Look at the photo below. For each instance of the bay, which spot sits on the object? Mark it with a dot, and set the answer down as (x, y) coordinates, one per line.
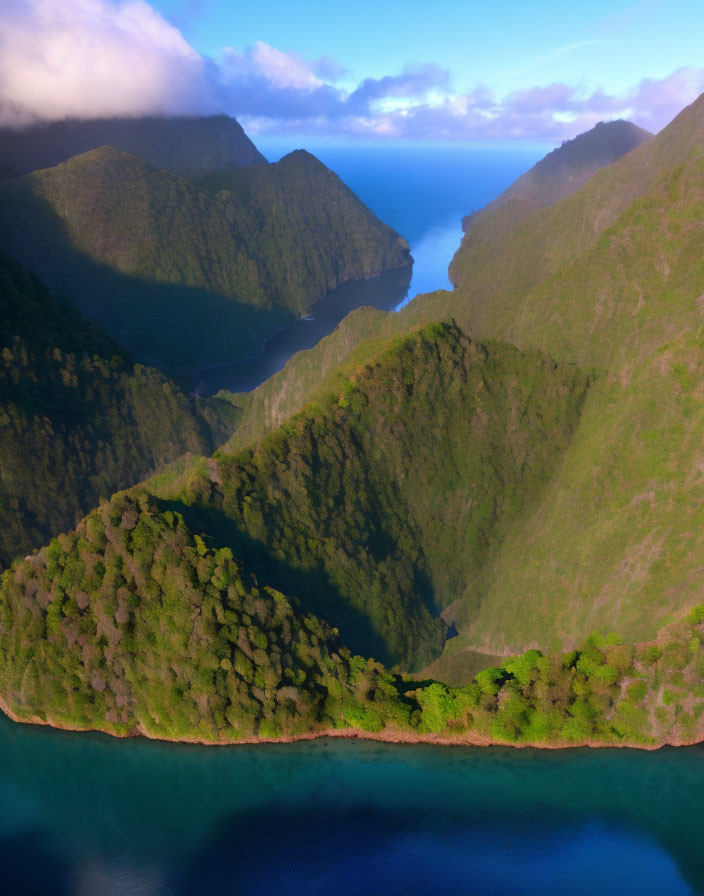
(88, 815)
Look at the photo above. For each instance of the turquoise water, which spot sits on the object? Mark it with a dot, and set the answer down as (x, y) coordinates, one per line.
(85, 815)
(423, 193)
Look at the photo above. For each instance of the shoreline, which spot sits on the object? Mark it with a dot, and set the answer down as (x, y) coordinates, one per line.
(387, 736)
(200, 384)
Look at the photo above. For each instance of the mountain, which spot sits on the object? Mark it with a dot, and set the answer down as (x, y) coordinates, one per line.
(78, 419)
(373, 526)
(617, 541)
(436, 491)
(561, 172)
(154, 259)
(607, 278)
(490, 280)
(187, 146)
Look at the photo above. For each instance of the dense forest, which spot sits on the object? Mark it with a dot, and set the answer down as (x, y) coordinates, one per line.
(155, 259)
(78, 419)
(146, 628)
(383, 497)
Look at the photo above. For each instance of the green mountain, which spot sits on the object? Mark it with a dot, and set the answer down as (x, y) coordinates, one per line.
(77, 418)
(436, 493)
(373, 527)
(559, 174)
(154, 259)
(189, 147)
(609, 277)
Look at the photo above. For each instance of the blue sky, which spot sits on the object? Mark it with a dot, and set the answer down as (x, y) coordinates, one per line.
(609, 43)
(372, 69)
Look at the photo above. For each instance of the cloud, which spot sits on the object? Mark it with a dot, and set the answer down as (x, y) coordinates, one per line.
(91, 58)
(414, 81)
(88, 58)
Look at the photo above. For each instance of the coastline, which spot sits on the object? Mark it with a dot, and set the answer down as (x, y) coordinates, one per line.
(199, 384)
(387, 736)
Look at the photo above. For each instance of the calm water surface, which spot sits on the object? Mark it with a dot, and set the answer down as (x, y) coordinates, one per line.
(423, 193)
(91, 816)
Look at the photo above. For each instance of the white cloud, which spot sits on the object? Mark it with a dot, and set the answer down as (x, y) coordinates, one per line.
(91, 58)
(87, 58)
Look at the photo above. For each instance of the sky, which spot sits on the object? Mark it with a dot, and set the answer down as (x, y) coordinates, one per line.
(441, 70)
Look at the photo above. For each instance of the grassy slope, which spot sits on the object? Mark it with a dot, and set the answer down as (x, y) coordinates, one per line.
(392, 490)
(493, 276)
(618, 539)
(77, 419)
(559, 174)
(154, 259)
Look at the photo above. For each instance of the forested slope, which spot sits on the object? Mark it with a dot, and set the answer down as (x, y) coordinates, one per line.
(78, 419)
(154, 259)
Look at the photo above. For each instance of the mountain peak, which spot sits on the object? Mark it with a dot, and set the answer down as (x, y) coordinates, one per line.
(566, 168)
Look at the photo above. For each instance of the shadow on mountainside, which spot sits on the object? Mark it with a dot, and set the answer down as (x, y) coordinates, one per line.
(311, 587)
(176, 328)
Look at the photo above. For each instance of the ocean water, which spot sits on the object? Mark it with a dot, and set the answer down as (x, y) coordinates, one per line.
(85, 815)
(423, 192)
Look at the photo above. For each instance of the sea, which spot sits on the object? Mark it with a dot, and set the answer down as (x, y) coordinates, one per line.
(88, 815)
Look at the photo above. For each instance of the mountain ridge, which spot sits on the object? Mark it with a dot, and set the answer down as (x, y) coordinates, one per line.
(187, 146)
(153, 258)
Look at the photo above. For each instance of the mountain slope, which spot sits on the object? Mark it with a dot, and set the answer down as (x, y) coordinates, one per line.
(134, 625)
(154, 259)
(618, 539)
(493, 276)
(385, 495)
(189, 147)
(77, 419)
(560, 173)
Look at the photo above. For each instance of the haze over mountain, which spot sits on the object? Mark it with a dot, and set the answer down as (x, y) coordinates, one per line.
(154, 258)
(187, 146)
(562, 171)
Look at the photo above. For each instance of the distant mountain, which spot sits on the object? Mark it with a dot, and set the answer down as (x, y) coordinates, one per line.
(78, 420)
(189, 147)
(156, 259)
(564, 170)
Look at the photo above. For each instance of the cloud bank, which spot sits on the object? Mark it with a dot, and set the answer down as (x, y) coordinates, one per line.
(93, 58)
